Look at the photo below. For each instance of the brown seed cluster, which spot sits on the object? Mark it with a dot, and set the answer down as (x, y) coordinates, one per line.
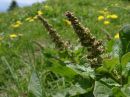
(94, 47)
(60, 44)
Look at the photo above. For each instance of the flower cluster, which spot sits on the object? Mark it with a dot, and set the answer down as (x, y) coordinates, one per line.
(13, 36)
(106, 17)
(60, 44)
(16, 24)
(94, 47)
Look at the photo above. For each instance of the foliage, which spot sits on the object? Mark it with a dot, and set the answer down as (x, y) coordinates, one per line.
(13, 5)
(34, 63)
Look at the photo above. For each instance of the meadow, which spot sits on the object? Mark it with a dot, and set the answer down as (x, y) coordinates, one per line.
(66, 48)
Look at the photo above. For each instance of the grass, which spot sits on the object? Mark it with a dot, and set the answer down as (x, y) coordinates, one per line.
(20, 56)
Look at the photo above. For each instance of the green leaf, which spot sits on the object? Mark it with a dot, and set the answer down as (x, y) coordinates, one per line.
(101, 90)
(110, 82)
(125, 59)
(126, 90)
(101, 70)
(110, 45)
(117, 92)
(126, 73)
(125, 40)
(61, 69)
(70, 91)
(34, 87)
(109, 64)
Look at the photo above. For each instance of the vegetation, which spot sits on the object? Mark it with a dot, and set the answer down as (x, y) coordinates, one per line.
(13, 5)
(84, 54)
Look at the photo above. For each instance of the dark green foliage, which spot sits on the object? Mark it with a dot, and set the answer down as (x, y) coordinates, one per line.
(13, 5)
(125, 39)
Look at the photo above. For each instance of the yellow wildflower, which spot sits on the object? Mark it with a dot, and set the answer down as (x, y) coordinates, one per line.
(31, 20)
(67, 22)
(15, 25)
(39, 12)
(46, 7)
(19, 22)
(114, 16)
(100, 18)
(27, 19)
(35, 17)
(116, 36)
(106, 22)
(108, 16)
(13, 36)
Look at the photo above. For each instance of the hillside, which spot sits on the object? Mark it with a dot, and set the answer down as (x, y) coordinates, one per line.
(21, 32)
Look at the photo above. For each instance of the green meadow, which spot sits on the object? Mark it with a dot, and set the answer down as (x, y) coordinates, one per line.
(66, 60)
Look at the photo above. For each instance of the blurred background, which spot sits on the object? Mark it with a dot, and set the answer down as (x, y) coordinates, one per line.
(5, 4)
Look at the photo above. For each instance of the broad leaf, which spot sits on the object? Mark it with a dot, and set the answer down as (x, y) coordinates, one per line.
(61, 69)
(71, 91)
(101, 90)
(109, 64)
(117, 92)
(125, 59)
(126, 90)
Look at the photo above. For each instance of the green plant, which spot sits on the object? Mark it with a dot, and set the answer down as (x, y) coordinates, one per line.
(35, 65)
(13, 5)
(109, 79)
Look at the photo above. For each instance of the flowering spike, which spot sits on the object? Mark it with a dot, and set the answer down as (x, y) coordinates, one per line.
(94, 47)
(60, 44)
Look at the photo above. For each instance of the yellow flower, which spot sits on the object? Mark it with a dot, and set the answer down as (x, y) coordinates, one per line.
(35, 17)
(27, 19)
(116, 36)
(108, 16)
(15, 25)
(100, 18)
(46, 7)
(19, 22)
(67, 22)
(114, 16)
(13, 36)
(31, 20)
(39, 12)
(106, 22)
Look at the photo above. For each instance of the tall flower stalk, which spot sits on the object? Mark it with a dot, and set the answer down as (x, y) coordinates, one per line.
(60, 44)
(95, 47)
(56, 38)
